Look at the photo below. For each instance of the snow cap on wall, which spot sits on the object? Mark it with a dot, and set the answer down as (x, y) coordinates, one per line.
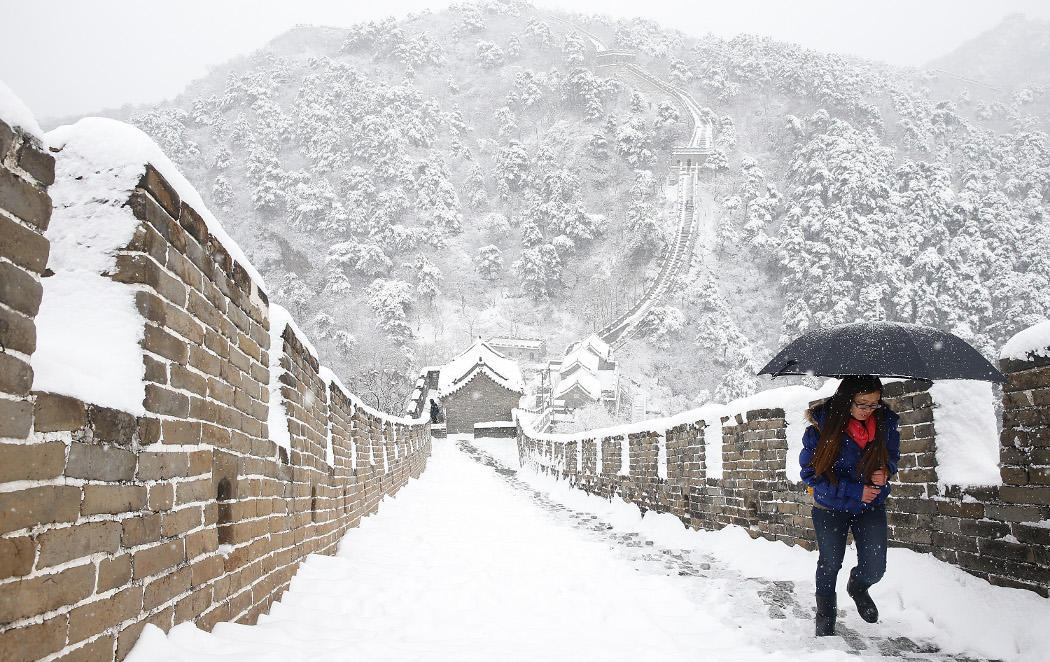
(967, 449)
(1028, 344)
(17, 115)
(121, 152)
(88, 326)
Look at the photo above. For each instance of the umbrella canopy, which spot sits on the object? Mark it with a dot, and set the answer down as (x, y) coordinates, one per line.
(887, 349)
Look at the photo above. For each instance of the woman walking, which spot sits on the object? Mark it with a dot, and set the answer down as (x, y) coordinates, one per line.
(849, 452)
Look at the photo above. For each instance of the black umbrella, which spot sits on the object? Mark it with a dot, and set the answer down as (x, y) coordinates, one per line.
(887, 349)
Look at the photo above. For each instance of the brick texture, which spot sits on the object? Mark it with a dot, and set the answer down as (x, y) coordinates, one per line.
(969, 527)
(111, 520)
(480, 400)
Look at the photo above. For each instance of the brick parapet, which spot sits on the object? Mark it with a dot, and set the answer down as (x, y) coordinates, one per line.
(190, 512)
(26, 171)
(999, 533)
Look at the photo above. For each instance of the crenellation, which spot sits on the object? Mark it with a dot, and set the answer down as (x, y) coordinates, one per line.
(966, 526)
(131, 511)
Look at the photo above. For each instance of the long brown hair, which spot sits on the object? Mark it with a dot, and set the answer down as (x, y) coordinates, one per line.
(829, 447)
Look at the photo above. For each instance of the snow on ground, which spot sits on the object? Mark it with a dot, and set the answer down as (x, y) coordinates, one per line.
(461, 567)
(471, 563)
(920, 597)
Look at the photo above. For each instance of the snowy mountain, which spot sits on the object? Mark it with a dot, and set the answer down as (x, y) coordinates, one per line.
(407, 186)
(1012, 55)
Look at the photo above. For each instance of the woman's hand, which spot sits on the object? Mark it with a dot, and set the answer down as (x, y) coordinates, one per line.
(870, 492)
(879, 477)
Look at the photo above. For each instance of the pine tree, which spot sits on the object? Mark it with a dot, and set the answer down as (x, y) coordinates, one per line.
(489, 262)
(539, 270)
(390, 300)
(427, 278)
(489, 55)
(222, 192)
(477, 195)
(512, 165)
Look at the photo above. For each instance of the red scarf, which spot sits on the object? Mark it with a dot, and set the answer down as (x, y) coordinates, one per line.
(861, 431)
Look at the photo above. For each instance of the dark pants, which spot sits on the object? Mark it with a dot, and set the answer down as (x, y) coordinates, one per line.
(869, 532)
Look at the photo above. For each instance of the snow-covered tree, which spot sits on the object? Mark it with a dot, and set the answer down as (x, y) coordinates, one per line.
(528, 91)
(477, 194)
(643, 236)
(489, 55)
(267, 180)
(293, 294)
(585, 92)
(512, 165)
(513, 47)
(364, 258)
(574, 49)
(662, 324)
(495, 226)
(437, 201)
(634, 144)
(531, 235)
(428, 276)
(507, 123)
(539, 270)
(489, 262)
(390, 300)
(539, 33)
(222, 192)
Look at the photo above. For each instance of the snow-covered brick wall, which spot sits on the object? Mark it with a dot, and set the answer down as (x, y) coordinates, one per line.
(947, 501)
(26, 171)
(178, 477)
(91, 327)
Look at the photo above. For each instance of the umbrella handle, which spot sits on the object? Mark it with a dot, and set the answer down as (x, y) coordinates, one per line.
(787, 365)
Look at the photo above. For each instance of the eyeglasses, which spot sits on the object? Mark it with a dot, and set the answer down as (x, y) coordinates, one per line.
(866, 407)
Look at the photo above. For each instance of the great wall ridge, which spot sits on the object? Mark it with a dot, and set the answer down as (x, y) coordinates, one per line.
(687, 161)
(677, 260)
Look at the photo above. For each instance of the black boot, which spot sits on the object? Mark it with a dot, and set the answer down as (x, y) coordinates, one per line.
(827, 610)
(865, 605)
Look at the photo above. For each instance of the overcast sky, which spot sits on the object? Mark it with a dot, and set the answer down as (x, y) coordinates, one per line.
(73, 57)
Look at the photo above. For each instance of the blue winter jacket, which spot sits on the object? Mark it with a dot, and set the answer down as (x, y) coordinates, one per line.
(847, 495)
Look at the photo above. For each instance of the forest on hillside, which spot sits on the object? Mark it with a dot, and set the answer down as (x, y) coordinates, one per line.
(407, 186)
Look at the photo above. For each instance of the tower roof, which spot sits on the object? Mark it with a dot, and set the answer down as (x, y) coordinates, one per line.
(480, 355)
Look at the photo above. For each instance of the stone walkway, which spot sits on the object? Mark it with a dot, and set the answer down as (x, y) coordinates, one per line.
(472, 563)
(788, 620)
